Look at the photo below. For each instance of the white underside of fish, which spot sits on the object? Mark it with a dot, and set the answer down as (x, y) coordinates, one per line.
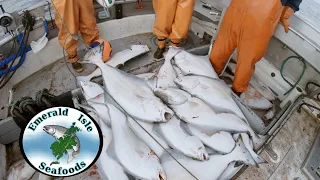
(117, 59)
(131, 93)
(191, 64)
(213, 92)
(178, 139)
(133, 154)
(204, 170)
(107, 166)
(255, 100)
(156, 143)
(221, 142)
(195, 112)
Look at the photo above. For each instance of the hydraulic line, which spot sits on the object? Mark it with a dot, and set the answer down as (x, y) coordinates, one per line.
(27, 32)
(301, 75)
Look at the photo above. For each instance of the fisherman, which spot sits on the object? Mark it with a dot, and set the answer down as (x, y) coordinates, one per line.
(249, 26)
(172, 21)
(78, 15)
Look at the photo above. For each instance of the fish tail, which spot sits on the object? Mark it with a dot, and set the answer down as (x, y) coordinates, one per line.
(258, 140)
(241, 154)
(255, 156)
(94, 55)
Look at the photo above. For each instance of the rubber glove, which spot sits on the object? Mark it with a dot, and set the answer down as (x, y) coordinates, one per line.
(284, 19)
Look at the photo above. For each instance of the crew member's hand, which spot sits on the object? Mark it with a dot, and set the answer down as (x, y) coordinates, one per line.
(284, 19)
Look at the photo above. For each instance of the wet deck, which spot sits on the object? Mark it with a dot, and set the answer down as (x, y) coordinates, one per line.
(292, 143)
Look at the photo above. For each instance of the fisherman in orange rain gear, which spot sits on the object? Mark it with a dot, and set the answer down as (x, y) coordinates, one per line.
(78, 15)
(172, 21)
(249, 26)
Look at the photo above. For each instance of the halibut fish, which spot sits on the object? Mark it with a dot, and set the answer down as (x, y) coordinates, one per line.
(107, 166)
(213, 92)
(133, 154)
(204, 170)
(178, 139)
(130, 92)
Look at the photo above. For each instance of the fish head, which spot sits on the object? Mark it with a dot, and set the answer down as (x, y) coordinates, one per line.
(161, 175)
(156, 106)
(198, 150)
(155, 170)
(91, 90)
(172, 96)
(94, 55)
(51, 130)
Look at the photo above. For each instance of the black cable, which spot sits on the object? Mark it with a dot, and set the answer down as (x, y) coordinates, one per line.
(50, 15)
(2, 84)
(14, 59)
(13, 45)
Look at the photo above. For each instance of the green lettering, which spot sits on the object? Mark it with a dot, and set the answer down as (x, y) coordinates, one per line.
(48, 169)
(44, 116)
(83, 121)
(54, 171)
(55, 113)
(32, 127)
(83, 164)
(89, 129)
(42, 165)
(49, 114)
(88, 124)
(38, 121)
(71, 170)
(79, 119)
(65, 112)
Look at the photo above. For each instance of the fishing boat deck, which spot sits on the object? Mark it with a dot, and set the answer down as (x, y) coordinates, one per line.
(292, 143)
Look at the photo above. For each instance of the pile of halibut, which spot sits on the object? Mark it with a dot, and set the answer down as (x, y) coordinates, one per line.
(179, 123)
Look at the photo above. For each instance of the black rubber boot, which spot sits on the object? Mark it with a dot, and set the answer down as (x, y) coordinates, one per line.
(159, 53)
(77, 67)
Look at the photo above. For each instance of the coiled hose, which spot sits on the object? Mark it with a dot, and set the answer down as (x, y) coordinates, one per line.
(301, 75)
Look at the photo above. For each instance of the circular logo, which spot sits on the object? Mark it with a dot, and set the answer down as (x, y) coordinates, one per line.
(61, 141)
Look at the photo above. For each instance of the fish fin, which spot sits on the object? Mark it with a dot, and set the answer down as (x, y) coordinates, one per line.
(111, 151)
(241, 154)
(246, 141)
(224, 138)
(70, 155)
(258, 140)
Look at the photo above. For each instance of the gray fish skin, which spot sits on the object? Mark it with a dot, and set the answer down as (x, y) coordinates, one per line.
(178, 139)
(130, 92)
(204, 170)
(213, 92)
(59, 131)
